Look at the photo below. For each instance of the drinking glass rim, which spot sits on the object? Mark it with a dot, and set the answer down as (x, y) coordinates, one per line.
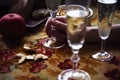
(90, 10)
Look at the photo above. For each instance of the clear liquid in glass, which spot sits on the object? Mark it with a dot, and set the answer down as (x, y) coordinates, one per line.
(106, 10)
(76, 29)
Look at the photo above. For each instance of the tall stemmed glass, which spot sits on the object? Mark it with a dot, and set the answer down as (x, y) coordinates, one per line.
(106, 10)
(77, 13)
(51, 42)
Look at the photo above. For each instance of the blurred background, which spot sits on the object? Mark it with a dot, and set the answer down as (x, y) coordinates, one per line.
(25, 7)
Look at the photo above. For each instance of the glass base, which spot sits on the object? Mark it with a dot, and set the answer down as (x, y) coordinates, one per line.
(52, 43)
(71, 74)
(103, 56)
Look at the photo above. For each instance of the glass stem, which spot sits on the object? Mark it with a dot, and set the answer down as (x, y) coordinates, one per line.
(75, 58)
(53, 15)
(102, 46)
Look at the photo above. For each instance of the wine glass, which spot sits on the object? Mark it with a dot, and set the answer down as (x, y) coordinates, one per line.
(106, 9)
(52, 42)
(77, 12)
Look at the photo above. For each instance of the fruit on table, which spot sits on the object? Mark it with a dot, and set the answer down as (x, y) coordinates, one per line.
(12, 25)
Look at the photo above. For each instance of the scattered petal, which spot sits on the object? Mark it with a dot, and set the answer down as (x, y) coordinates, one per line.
(113, 74)
(40, 56)
(22, 59)
(37, 66)
(115, 60)
(67, 64)
(31, 57)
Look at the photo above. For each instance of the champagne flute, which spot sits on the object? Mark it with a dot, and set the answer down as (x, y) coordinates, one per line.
(52, 42)
(77, 13)
(106, 9)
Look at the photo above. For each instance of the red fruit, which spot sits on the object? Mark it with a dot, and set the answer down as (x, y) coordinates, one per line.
(12, 25)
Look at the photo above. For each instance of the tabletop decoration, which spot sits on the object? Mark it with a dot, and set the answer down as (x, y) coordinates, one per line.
(6, 60)
(31, 56)
(113, 74)
(34, 55)
(12, 25)
(28, 47)
(115, 60)
(37, 66)
(67, 64)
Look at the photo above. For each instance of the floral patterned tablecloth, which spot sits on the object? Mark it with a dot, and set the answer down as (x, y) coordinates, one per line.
(57, 61)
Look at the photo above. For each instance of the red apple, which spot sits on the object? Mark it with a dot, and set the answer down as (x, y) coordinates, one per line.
(12, 25)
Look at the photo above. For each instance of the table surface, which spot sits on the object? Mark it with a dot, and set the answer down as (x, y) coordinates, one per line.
(57, 61)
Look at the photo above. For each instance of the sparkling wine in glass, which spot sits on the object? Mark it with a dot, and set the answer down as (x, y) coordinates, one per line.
(106, 9)
(52, 42)
(77, 13)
